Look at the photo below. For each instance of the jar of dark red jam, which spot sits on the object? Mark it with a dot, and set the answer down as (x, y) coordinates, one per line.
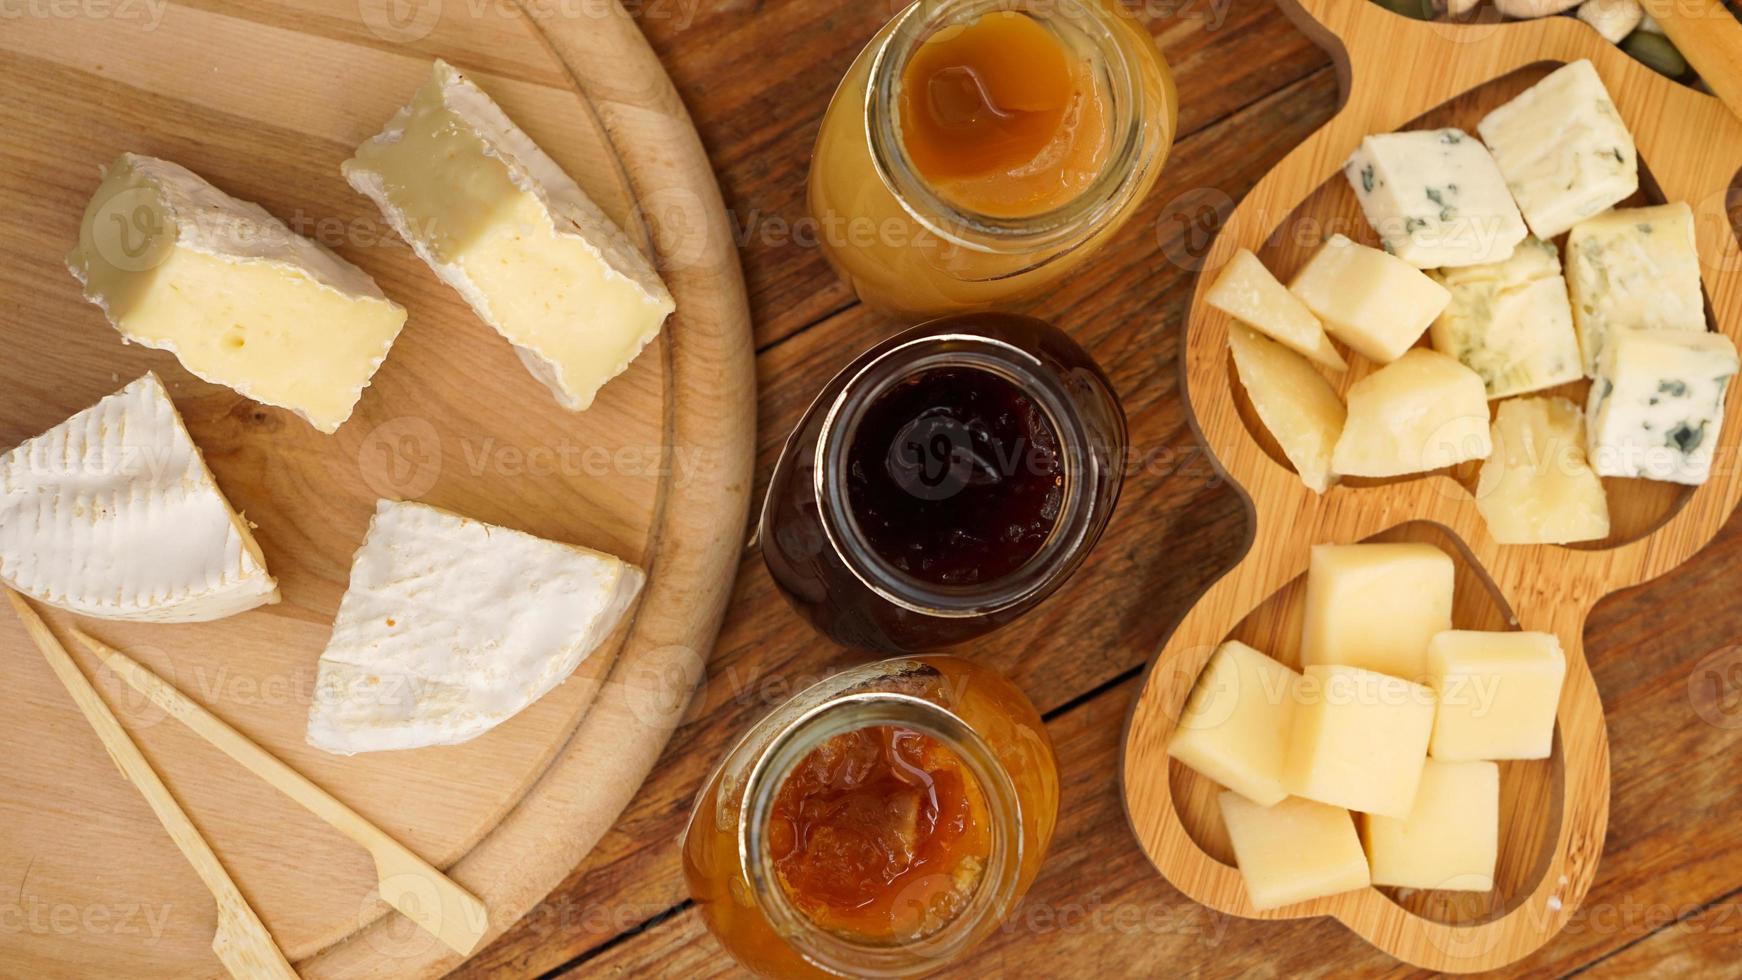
(943, 484)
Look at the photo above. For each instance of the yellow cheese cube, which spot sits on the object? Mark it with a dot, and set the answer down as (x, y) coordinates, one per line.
(1539, 487)
(1248, 292)
(1451, 839)
(1376, 303)
(1294, 851)
(1236, 723)
(1359, 739)
(1376, 606)
(1498, 693)
(1419, 413)
(1295, 402)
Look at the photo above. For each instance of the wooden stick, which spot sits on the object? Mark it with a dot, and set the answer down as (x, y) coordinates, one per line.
(407, 882)
(242, 943)
(1707, 34)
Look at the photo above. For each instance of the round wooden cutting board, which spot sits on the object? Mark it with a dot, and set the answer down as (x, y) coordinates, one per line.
(266, 100)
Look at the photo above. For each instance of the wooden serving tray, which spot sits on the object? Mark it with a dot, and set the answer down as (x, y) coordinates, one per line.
(266, 100)
(1397, 74)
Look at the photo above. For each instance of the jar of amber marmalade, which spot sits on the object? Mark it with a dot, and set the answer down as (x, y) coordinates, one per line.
(978, 150)
(879, 824)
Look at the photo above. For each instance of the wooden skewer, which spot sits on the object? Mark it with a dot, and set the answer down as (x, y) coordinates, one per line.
(407, 882)
(1707, 34)
(242, 943)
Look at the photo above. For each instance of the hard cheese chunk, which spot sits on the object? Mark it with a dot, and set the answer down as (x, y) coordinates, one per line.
(1450, 841)
(1236, 723)
(1376, 303)
(239, 298)
(498, 220)
(451, 627)
(1376, 606)
(1538, 487)
(1435, 197)
(1658, 404)
(1418, 413)
(1498, 694)
(1359, 739)
(1510, 322)
(113, 514)
(1248, 292)
(1295, 402)
(1634, 268)
(1563, 148)
(1294, 851)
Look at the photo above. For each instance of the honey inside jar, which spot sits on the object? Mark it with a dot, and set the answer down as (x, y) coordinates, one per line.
(1001, 117)
(880, 834)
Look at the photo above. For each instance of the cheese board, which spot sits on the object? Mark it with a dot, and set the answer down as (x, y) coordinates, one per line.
(1399, 74)
(266, 102)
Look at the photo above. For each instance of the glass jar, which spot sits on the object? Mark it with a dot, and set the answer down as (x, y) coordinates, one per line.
(908, 251)
(823, 553)
(995, 732)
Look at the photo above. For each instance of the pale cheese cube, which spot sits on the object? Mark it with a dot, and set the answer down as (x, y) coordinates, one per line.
(1248, 292)
(1376, 606)
(1376, 303)
(1359, 739)
(1295, 402)
(1564, 149)
(1236, 723)
(1451, 839)
(1294, 851)
(1657, 405)
(1614, 19)
(1634, 268)
(1510, 322)
(1538, 487)
(1498, 694)
(1418, 413)
(1435, 197)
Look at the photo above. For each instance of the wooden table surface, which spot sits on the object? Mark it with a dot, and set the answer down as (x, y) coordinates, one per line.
(1667, 657)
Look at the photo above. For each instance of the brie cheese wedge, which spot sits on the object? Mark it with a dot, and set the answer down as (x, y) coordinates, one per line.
(452, 626)
(499, 221)
(112, 514)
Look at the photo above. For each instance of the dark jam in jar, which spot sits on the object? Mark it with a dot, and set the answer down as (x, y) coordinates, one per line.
(954, 476)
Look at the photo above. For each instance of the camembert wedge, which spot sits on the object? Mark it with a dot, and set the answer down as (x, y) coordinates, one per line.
(112, 514)
(499, 221)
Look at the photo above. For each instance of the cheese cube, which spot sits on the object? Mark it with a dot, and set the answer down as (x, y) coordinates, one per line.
(231, 291)
(1634, 268)
(1295, 402)
(1563, 148)
(1359, 738)
(1236, 723)
(1376, 303)
(1418, 413)
(1538, 487)
(1294, 851)
(1451, 839)
(1376, 606)
(1510, 322)
(1248, 292)
(1498, 694)
(1658, 404)
(1435, 197)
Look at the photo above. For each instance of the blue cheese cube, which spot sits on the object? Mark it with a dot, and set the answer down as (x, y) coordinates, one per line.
(1564, 150)
(1435, 197)
(1634, 268)
(1658, 404)
(1510, 322)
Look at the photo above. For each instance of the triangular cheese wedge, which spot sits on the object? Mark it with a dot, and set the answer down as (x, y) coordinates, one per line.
(113, 514)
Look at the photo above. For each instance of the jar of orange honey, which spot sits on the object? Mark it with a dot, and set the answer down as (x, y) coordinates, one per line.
(979, 150)
(879, 824)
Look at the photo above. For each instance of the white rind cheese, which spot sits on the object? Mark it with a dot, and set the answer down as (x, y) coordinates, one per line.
(500, 222)
(1295, 402)
(236, 295)
(112, 514)
(1511, 322)
(1435, 197)
(1634, 268)
(1247, 291)
(1564, 149)
(1376, 303)
(1419, 413)
(1657, 405)
(451, 626)
(1539, 487)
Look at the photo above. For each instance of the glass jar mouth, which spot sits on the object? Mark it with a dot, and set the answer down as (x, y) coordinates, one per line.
(1127, 139)
(993, 894)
